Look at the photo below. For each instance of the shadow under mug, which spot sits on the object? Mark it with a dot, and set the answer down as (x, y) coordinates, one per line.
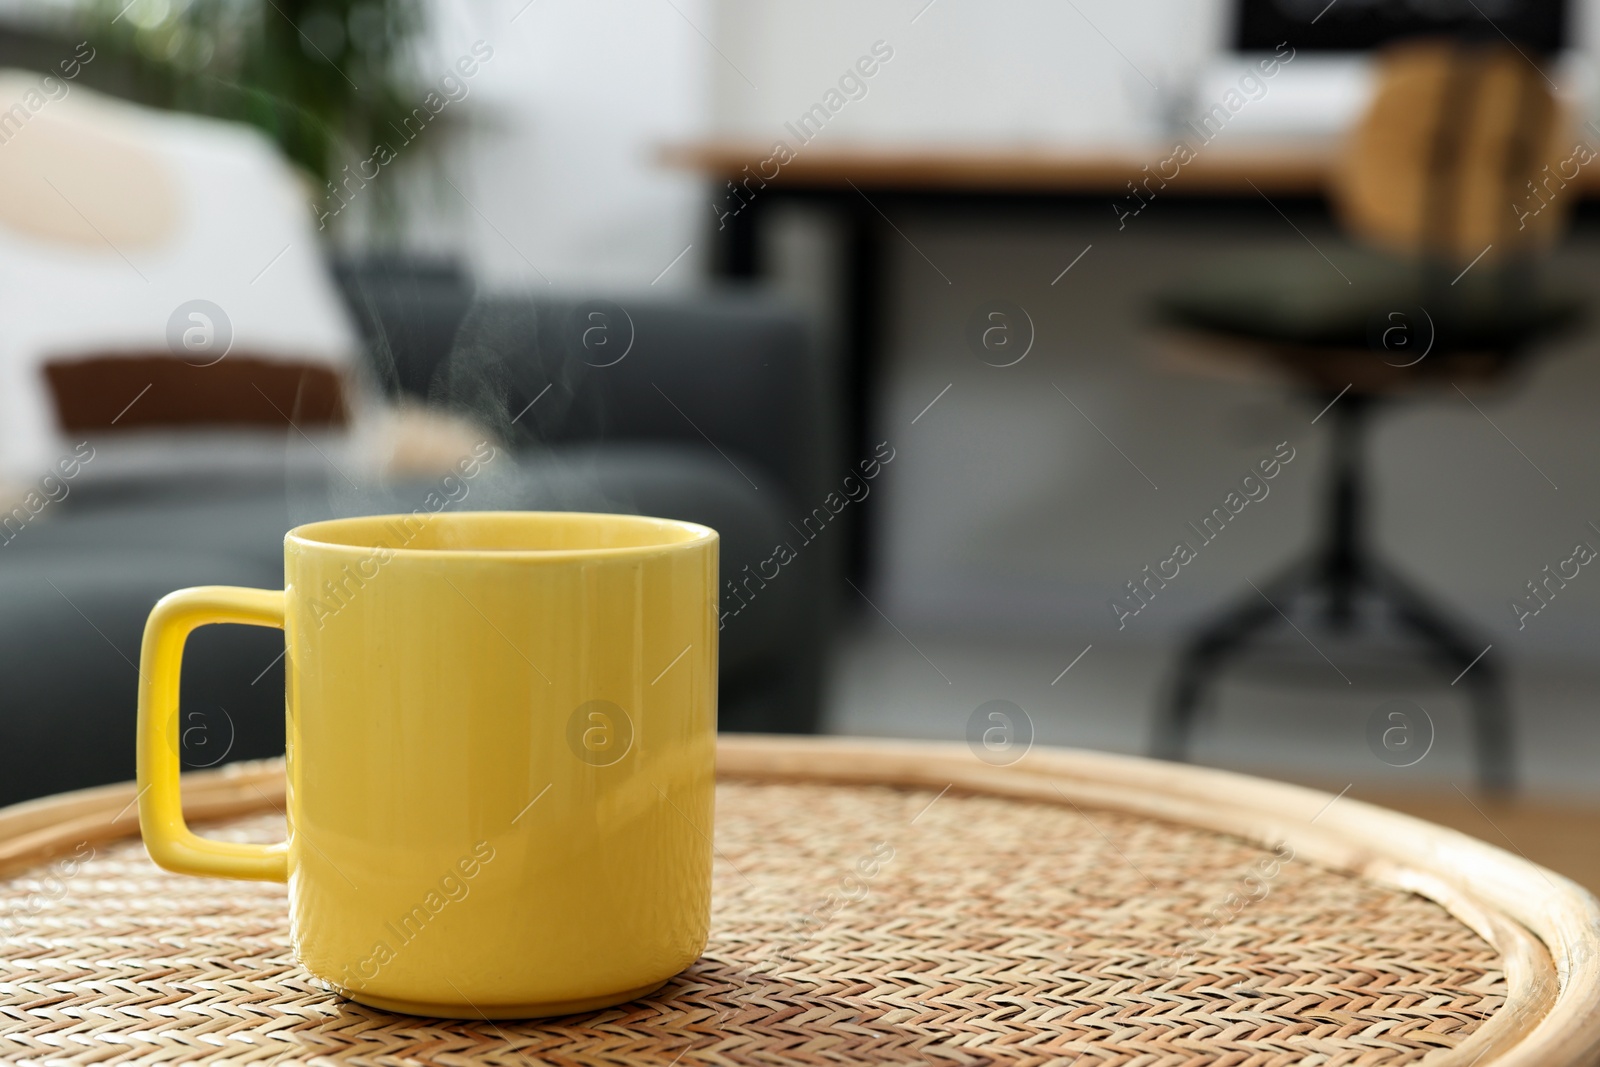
(500, 755)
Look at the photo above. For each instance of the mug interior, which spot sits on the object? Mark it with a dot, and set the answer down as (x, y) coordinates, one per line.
(525, 532)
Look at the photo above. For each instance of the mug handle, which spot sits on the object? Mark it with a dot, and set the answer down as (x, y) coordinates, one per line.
(166, 836)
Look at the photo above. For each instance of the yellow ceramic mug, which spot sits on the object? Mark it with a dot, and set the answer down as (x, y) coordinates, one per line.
(501, 743)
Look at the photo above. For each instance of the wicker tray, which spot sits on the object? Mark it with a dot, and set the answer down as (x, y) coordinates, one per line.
(875, 902)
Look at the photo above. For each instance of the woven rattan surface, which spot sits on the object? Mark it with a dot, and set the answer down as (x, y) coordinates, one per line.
(851, 924)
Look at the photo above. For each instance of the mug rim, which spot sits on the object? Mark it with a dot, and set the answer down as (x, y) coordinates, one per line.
(306, 537)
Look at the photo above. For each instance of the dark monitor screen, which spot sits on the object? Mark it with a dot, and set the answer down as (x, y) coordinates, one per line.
(1355, 25)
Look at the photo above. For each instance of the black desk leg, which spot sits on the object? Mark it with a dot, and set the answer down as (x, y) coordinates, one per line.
(736, 249)
(738, 252)
(862, 310)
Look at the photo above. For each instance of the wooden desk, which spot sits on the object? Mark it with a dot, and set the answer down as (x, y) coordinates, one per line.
(1275, 169)
(1278, 169)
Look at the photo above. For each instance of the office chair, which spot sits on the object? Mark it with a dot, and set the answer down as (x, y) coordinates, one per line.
(1453, 184)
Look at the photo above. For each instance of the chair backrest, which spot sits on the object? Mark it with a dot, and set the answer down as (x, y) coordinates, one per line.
(1464, 148)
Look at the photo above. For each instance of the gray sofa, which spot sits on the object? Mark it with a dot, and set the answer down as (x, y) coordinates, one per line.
(717, 414)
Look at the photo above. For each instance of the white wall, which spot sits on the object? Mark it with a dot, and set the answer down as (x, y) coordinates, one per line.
(559, 154)
(563, 125)
(963, 70)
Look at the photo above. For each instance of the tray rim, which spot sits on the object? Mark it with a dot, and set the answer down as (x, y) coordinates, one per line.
(1545, 927)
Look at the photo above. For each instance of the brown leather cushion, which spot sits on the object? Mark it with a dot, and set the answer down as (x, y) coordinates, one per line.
(98, 392)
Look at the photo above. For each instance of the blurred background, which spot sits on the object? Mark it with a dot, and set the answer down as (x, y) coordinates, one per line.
(1205, 379)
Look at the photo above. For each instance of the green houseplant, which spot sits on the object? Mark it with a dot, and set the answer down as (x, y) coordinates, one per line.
(321, 78)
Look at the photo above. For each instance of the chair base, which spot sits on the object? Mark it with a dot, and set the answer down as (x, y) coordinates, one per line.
(1342, 573)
